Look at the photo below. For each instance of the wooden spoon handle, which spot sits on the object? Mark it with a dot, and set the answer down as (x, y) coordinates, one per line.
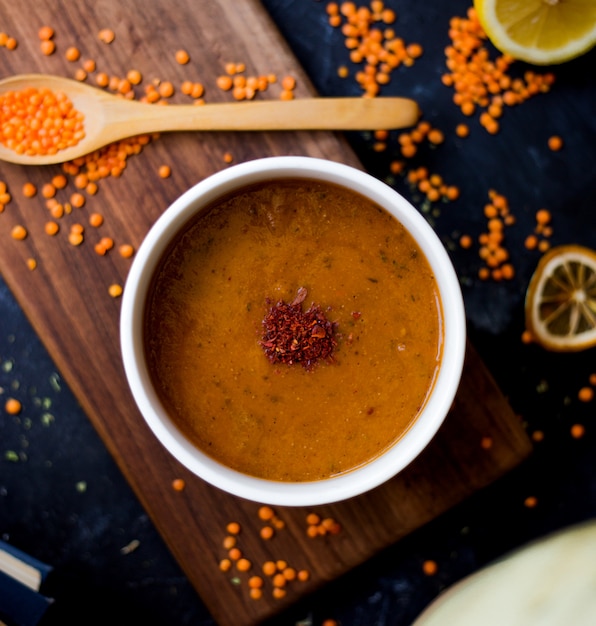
(301, 114)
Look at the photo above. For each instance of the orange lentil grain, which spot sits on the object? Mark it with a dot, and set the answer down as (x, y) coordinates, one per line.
(48, 190)
(555, 143)
(255, 582)
(59, 181)
(538, 436)
(462, 130)
(178, 484)
(313, 518)
(243, 565)
(265, 513)
(235, 554)
(72, 54)
(106, 35)
(126, 250)
(577, 431)
(29, 190)
(107, 243)
(166, 89)
(80, 74)
(31, 264)
(266, 532)
(47, 47)
(288, 83)
(102, 79)
(279, 580)
(592, 379)
(13, 406)
(197, 91)
(329, 622)
(227, 157)
(278, 593)
(77, 200)
(585, 394)
(429, 567)
(51, 228)
(80, 181)
(255, 593)
(233, 528)
(225, 83)
(18, 232)
(134, 77)
(75, 238)
(96, 219)
(269, 568)
(182, 57)
(486, 443)
(530, 502)
(435, 136)
(91, 188)
(289, 573)
(115, 290)
(543, 216)
(312, 531)
(45, 33)
(164, 171)
(225, 565)
(303, 575)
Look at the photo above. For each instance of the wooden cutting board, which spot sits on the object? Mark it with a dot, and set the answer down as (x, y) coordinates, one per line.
(66, 299)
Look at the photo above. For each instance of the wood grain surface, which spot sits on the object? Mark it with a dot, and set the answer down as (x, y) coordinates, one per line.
(66, 298)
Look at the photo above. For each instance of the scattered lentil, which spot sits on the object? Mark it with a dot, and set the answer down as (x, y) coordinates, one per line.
(126, 250)
(72, 54)
(45, 33)
(178, 484)
(115, 290)
(182, 57)
(530, 502)
(18, 232)
(29, 190)
(106, 35)
(585, 394)
(555, 143)
(13, 406)
(429, 567)
(47, 47)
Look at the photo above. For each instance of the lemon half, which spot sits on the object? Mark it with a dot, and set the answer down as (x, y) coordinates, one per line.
(561, 299)
(541, 32)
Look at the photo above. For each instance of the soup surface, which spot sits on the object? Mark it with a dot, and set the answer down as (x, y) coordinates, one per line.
(232, 268)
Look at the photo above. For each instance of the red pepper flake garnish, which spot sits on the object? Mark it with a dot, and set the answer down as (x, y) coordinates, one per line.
(291, 335)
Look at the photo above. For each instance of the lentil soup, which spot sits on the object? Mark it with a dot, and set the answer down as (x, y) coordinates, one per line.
(308, 246)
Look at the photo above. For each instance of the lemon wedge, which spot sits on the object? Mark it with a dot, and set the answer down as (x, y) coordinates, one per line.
(560, 302)
(541, 32)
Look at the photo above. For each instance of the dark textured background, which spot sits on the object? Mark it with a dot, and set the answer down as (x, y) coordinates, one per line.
(63, 500)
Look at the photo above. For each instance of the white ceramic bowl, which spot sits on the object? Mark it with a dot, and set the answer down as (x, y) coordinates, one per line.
(265, 491)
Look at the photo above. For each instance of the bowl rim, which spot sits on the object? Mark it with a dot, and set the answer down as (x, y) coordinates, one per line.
(358, 480)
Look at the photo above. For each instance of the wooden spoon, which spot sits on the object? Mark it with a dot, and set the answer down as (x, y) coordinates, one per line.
(109, 117)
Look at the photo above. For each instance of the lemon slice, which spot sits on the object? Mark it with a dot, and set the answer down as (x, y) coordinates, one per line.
(561, 299)
(542, 32)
